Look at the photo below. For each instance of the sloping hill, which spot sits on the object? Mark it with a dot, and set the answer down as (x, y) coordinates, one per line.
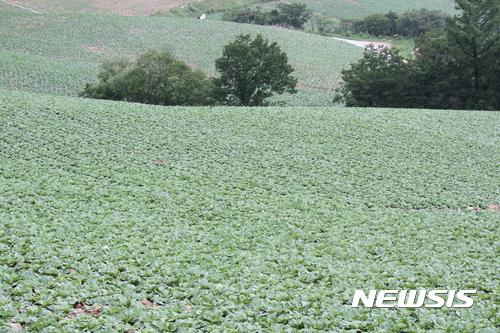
(89, 39)
(122, 7)
(334, 8)
(124, 217)
(361, 8)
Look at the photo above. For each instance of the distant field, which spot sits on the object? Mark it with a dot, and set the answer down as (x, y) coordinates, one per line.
(125, 217)
(34, 73)
(79, 40)
(121, 7)
(7, 7)
(361, 8)
(335, 8)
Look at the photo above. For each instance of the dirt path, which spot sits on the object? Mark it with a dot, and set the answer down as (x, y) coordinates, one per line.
(363, 43)
(13, 4)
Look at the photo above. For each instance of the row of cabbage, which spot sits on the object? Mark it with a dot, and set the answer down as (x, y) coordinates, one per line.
(126, 217)
(45, 75)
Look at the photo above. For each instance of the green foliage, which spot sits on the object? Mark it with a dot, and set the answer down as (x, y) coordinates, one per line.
(375, 24)
(416, 22)
(197, 8)
(379, 79)
(252, 71)
(324, 24)
(359, 9)
(475, 35)
(156, 78)
(438, 78)
(251, 16)
(242, 220)
(456, 69)
(293, 15)
(409, 24)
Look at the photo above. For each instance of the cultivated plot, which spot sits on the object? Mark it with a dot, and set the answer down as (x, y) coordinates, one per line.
(127, 217)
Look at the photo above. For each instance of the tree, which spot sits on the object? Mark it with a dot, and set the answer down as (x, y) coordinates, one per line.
(380, 79)
(293, 14)
(415, 22)
(251, 71)
(326, 25)
(109, 69)
(375, 24)
(248, 15)
(437, 74)
(156, 78)
(475, 33)
(289, 15)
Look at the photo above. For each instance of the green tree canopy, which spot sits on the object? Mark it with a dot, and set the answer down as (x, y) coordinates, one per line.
(475, 35)
(155, 78)
(456, 68)
(376, 24)
(289, 15)
(293, 14)
(417, 21)
(252, 71)
(377, 80)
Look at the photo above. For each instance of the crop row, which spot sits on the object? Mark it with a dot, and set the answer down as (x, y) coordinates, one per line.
(41, 74)
(127, 217)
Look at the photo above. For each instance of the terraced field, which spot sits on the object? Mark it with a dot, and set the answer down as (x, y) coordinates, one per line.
(122, 217)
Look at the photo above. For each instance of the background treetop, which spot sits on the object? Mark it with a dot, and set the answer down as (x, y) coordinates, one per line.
(252, 70)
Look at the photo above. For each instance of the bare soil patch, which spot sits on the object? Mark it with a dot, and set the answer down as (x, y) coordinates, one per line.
(492, 208)
(82, 308)
(147, 302)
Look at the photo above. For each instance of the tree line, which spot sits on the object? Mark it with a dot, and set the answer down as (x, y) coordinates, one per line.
(292, 15)
(295, 15)
(251, 71)
(408, 24)
(454, 68)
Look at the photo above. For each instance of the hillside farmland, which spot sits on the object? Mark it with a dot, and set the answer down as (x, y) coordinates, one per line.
(123, 217)
(132, 218)
(82, 40)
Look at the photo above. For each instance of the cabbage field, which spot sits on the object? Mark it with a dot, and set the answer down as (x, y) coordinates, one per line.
(121, 217)
(77, 43)
(335, 8)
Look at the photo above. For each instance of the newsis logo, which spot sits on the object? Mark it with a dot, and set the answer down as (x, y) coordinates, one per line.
(409, 298)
